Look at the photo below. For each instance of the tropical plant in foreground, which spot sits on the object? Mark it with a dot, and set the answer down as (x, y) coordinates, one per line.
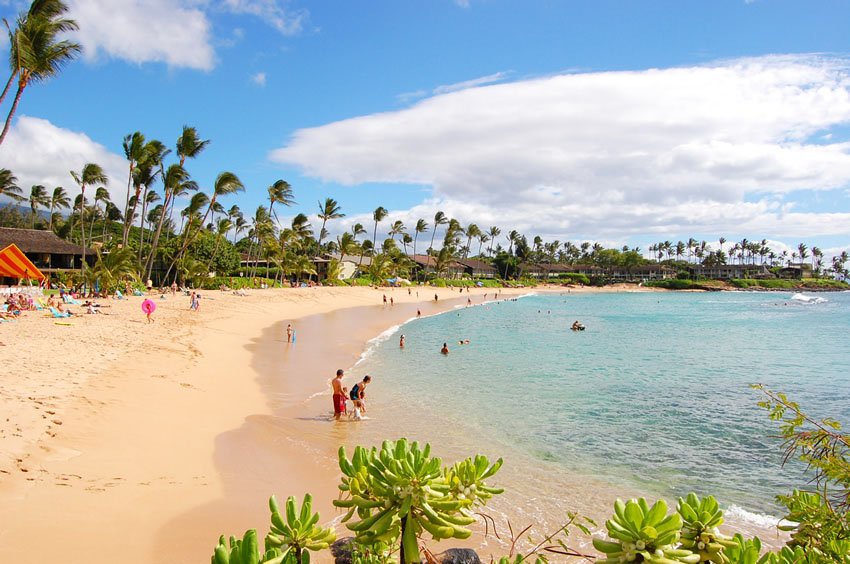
(641, 533)
(297, 533)
(700, 519)
(401, 492)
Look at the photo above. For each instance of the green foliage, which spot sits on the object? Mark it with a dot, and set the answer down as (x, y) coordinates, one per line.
(638, 530)
(700, 519)
(822, 516)
(673, 284)
(288, 542)
(575, 278)
(785, 284)
(298, 533)
(216, 251)
(401, 492)
(113, 268)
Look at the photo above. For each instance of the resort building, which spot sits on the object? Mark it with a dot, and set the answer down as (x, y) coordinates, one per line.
(46, 250)
(351, 265)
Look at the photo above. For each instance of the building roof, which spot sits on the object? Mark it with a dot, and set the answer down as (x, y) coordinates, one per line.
(476, 264)
(37, 241)
(367, 260)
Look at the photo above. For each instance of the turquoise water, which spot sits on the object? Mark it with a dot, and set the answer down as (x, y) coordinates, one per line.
(653, 397)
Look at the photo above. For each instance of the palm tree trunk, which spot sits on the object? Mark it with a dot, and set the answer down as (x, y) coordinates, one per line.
(8, 85)
(91, 225)
(82, 225)
(142, 224)
(21, 85)
(125, 235)
(50, 225)
(155, 242)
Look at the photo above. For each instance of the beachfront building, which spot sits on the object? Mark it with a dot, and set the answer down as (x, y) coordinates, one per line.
(426, 264)
(477, 268)
(729, 271)
(351, 266)
(46, 250)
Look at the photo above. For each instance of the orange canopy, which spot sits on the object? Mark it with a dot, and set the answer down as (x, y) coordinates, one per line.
(15, 264)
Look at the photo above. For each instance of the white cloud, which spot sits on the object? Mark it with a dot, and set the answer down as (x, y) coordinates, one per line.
(708, 148)
(446, 88)
(139, 31)
(259, 79)
(288, 22)
(39, 152)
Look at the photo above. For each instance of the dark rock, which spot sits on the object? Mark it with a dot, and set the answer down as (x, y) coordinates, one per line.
(459, 556)
(341, 550)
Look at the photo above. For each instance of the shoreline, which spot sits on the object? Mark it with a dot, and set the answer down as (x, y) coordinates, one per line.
(189, 424)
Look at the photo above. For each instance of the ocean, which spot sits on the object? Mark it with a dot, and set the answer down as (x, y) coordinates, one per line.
(652, 399)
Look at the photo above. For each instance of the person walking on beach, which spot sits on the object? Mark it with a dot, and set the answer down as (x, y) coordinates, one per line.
(385, 299)
(339, 395)
(358, 395)
(418, 313)
(289, 333)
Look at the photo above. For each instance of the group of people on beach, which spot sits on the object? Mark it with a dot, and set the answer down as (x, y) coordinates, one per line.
(342, 394)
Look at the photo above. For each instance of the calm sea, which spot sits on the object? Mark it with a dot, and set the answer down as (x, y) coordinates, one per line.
(652, 399)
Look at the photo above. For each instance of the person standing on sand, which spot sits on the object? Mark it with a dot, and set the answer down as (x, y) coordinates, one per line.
(418, 313)
(339, 395)
(436, 297)
(289, 333)
(385, 299)
(174, 288)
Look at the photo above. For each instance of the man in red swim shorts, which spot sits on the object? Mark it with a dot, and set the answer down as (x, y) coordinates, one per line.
(339, 396)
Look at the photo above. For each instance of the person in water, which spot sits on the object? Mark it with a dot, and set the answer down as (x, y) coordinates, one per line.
(577, 326)
(401, 342)
(358, 395)
(339, 394)
(445, 349)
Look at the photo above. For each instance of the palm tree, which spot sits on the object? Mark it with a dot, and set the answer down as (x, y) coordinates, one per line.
(189, 145)
(174, 179)
(329, 210)
(802, 252)
(439, 219)
(493, 233)
(421, 227)
(378, 215)
(222, 227)
(406, 239)
(134, 150)
(111, 268)
(38, 198)
(147, 168)
(91, 174)
(397, 228)
(9, 186)
(35, 54)
(483, 238)
(100, 195)
(59, 200)
(472, 230)
(281, 193)
(346, 243)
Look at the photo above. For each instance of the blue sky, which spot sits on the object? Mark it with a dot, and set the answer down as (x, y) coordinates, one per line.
(622, 122)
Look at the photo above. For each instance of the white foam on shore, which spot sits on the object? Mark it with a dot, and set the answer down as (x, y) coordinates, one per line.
(798, 297)
(761, 520)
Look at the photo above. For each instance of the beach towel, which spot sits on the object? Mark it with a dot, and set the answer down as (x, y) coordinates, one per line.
(59, 314)
(119, 295)
(137, 293)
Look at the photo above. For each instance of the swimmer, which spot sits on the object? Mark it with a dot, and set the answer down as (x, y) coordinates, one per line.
(401, 342)
(445, 349)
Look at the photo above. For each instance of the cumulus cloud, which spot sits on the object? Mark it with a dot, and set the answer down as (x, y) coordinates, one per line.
(39, 152)
(259, 79)
(139, 31)
(708, 148)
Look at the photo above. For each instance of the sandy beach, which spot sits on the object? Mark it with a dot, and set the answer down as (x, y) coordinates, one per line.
(150, 440)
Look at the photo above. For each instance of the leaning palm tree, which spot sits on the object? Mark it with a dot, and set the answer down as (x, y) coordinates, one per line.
(147, 169)
(421, 227)
(378, 215)
(91, 174)
(100, 195)
(134, 150)
(472, 231)
(174, 179)
(9, 185)
(279, 193)
(189, 145)
(802, 250)
(329, 210)
(38, 198)
(36, 54)
(439, 219)
(495, 232)
(59, 200)
(397, 228)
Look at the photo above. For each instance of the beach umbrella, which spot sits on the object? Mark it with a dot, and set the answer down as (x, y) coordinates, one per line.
(148, 306)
